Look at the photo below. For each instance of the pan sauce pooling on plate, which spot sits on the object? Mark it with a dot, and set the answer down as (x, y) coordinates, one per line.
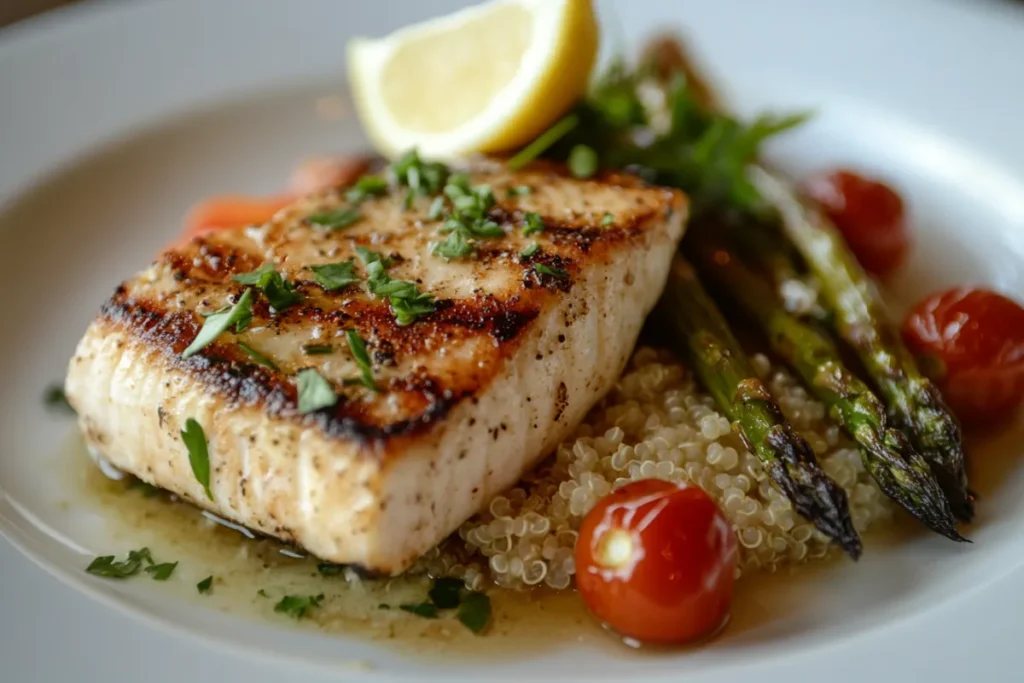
(317, 355)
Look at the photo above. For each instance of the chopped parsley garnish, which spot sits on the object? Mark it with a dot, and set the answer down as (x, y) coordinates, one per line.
(533, 224)
(519, 191)
(545, 269)
(474, 608)
(218, 323)
(607, 219)
(330, 569)
(423, 178)
(407, 302)
(421, 609)
(367, 186)
(583, 161)
(56, 400)
(475, 611)
(206, 585)
(530, 250)
(161, 572)
(314, 391)
(108, 567)
(358, 347)
(279, 292)
(198, 453)
(543, 142)
(436, 208)
(335, 276)
(317, 349)
(335, 220)
(298, 606)
(257, 357)
(368, 256)
(446, 592)
(408, 310)
(453, 247)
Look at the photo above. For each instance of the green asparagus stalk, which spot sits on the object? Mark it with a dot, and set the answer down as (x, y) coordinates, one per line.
(861, 320)
(697, 326)
(888, 456)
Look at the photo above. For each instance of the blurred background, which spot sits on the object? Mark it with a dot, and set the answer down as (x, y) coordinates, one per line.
(12, 10)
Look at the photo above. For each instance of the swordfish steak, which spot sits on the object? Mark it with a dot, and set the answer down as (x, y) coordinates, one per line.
(509, 344)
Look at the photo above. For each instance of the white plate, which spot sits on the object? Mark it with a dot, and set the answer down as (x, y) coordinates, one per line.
(114, 118)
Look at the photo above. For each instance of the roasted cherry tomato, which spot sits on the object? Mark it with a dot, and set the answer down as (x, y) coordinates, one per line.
(870, 216)
(322, 173)
(232, 211)
(974, 340)
(656, 562)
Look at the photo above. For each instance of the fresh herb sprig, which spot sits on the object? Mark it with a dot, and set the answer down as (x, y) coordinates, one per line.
(298, 606)
(194, 439)
(473, 607)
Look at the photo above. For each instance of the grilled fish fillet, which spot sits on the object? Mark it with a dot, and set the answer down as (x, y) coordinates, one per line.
(472, 395)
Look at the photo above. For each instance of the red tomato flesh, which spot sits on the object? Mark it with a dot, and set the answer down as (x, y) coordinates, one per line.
(656, 562)
(870, 216)
(977, 338)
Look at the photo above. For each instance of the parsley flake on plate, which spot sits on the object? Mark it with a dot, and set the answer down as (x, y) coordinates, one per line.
(297, 606)
(108, 567)
(206, 585)
(56, 400)
(162, 571)
(421, 609)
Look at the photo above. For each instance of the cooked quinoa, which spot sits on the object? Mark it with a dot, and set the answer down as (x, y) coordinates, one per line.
(658, 423)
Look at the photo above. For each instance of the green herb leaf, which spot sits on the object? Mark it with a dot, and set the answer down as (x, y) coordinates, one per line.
(545, 269)
(436, 209)
(257, 357)
(317, 349)
(298, 606)
(546, 139)
(453, 247)
(519, 191)
(422, 609)
(330, 569)
(108, 567)
(406, 311)
(368, 256)
(161, 572)
(198, 453)
(446, 592)
(56, 400)
(533, 224)
(335, 220)
(256, 278)
(421, 177)
(607, 219)
(530, 250)
(367, 186)
(262, 593)
(335, 276)
(218, 323)
(358, 348)
(583, 161)
(475, 611)
(206, 585)
(315, 392)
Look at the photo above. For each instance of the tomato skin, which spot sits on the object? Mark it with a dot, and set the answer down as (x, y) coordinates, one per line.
(977, 338)
(231, 211)
(656, 562)
(323, 173)
(869, 214)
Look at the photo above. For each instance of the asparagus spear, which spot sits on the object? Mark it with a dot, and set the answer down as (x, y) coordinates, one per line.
(860, 319)
(696, 325)
(900, 472)
(915, 404)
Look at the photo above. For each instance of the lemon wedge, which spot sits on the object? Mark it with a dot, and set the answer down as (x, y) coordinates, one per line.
(485, 79)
